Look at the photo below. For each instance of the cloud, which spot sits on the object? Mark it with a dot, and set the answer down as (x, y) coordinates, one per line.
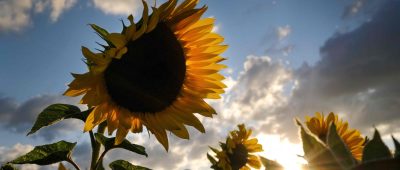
(118, 7)
(17, 15)
(58, 7)
(8, 154)
(14, 15)
(19, 117)
(357, 76)
(283, 32)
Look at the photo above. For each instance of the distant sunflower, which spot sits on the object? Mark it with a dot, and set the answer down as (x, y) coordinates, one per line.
(236, 152)
(318, 125)
(156, 72)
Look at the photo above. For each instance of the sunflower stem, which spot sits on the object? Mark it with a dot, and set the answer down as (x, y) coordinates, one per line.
(96, 145)
(100, 161)
(69, 159)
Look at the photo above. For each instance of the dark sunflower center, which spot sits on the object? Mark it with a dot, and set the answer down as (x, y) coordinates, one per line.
(238, 157)
(149, 77)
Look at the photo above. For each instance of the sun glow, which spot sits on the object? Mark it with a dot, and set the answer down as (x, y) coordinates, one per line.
(282, 150)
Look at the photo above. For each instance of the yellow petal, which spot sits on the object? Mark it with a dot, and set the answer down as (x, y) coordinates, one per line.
(153, 20)
(121, 134)
(118, 40)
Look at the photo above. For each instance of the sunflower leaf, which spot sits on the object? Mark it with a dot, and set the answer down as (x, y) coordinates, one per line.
(379, 164)
(397, 148)
(109, 143)
(270, 164)
(61, 166)
(47, 154)
(55, 113)
(211, 159)
(101, 31)
(315, 152)
(339, 149)
(8, 167)
(375, 149)
(125, 165)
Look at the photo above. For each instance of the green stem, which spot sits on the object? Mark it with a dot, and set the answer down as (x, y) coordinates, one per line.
(96, 145)
(100, 161)
(73, 163)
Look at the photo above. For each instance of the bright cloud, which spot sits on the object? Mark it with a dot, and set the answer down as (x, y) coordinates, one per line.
(283, 31)
(118, 7)
(16, 15)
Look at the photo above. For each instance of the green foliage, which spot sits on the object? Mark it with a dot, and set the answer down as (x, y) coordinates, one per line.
(270, 164)
(318, 155)
(125, 165)
(375, 149)
(8, 167)
(55, 113)
(47, 154)
(339, 149)
(108, 144)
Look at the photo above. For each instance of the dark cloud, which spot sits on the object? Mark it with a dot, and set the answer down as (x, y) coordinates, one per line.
(19, 117)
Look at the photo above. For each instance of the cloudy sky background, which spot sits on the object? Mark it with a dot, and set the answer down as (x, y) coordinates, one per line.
(286, 59)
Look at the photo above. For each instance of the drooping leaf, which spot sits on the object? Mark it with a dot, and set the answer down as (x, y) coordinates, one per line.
(125, 165)
(397, 148)
(8, 167)
(55, 113)
(270, 164)
(47, 154)
(317, 153)
(109, 143)
(375, 149)
(61, 166)
(384, 164)
(339, 149)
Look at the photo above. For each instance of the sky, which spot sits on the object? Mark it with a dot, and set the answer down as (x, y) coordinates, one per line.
(286, 59)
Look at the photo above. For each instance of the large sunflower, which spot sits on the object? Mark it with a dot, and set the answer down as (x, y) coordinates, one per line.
(156, 72)
(236, 152)
(319, 125)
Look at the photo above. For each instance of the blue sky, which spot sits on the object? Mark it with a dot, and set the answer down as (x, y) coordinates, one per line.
(283, 57)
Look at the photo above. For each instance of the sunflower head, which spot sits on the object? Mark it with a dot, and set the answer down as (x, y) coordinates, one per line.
(237, 151)
(319, 125)
(155, 72)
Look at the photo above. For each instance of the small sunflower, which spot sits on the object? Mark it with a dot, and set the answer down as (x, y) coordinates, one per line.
(319, 125)
(155, 73)
(236, 152)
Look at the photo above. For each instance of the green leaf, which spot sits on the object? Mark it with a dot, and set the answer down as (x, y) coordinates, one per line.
(339, 149)
(375, 149)
(397, 148)
(108, 144)
(125, 165)
(47, 154)
(57, 112)
(8, 167)
(270, 164)
(315, 152)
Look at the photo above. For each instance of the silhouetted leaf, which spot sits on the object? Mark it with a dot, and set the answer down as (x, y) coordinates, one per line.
(108, 144)
(397, 148)
(55, 113)
(385, 164)
(47, 154)
(270, 164)
(339, 149)
(125, 165)
(8, 167)
(211, 159)
(317, 153)
(375, 149)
